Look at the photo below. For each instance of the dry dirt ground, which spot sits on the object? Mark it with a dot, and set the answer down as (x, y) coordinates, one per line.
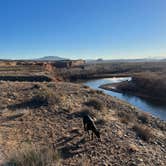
(49, 114)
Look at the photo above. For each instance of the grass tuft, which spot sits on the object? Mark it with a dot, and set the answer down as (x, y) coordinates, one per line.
(126, 117)
(143, 132)
(95, 103)
(32, 156)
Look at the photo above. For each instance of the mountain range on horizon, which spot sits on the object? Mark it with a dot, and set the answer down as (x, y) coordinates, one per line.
(51, 58)
(99, 60)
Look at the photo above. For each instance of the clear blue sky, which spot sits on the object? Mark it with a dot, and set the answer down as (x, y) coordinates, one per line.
(82, 28)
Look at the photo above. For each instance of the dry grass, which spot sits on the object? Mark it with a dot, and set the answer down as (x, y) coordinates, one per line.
(30, 155)
(48, 95)
(126, 117)
(143, 117)
(143, 132)
(41, 96)
(95, 103)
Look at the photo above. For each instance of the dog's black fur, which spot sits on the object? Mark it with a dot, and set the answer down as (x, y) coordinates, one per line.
(89, 125)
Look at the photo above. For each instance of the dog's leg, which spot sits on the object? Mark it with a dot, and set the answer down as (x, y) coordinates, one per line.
(92, 135)
(88, 133)
(84, 127)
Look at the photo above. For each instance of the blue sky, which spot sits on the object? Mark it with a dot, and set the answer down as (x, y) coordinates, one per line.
(109, 29)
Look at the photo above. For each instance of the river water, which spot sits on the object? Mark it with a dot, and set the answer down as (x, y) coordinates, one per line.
(155, 108)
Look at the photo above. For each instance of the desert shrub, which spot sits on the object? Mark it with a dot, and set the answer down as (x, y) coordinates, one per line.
(99, 92)
(33, 156)
(126, 117)
(48, 96)
(143, 117)
(42, 97)
(91, 91)
(85, 86)
(51, 85)
(38, 100)
(143, 132)
(35, 102)
(95, 103)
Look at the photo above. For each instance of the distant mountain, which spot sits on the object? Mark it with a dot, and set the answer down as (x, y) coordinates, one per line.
(51, 58)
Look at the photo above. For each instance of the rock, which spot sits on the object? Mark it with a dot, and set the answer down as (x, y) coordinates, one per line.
(132, 148)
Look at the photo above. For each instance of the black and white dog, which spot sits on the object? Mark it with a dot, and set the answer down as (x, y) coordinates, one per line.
(89, 125)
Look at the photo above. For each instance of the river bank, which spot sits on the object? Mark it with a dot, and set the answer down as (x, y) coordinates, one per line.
(141, 87)
(116, 87)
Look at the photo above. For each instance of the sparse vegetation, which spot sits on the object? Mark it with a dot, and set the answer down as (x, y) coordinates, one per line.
(56, 120)
(95, 103)
(33, 156)
(47, 95)
(143, 132)
(147, 85)
(143, 117)
(102, 70)
(126, 117)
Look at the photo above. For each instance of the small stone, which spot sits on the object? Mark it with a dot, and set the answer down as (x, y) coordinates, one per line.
(140, 160)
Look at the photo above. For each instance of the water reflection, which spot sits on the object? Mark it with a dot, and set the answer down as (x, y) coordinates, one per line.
(154, 107)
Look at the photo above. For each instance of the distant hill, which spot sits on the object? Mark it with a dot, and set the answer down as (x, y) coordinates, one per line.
(125, 60)
(50, 58)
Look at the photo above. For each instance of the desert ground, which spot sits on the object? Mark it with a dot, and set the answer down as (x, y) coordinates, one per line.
(41, 113)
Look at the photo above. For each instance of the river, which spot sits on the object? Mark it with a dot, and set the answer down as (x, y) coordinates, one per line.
(155, 108)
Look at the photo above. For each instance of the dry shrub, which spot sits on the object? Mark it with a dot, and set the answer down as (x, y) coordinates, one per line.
(48, 96)
(41, 97)
(99, 92)
(38, 100)
(51, 85)
(32, 156)
(144, 117)
(126, 117)
(143, 132)
(95, 103)
(85, 86)
(91, 91)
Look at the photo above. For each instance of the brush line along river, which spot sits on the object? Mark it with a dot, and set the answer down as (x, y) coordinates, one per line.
(155, 108)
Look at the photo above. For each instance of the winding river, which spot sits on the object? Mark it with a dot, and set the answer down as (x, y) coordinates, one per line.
(156, 109)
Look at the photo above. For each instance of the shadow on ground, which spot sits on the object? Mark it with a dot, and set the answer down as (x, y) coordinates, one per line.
(35, 102)
(71, 150)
